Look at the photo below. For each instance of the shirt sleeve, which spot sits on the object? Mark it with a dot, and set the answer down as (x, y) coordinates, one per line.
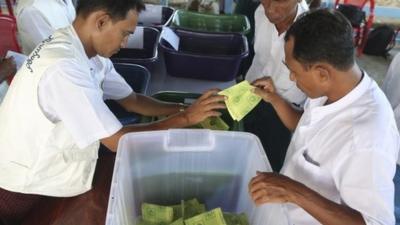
(114, 85)
(365, 182)
(68, 94)
(391, 82)
(33, 28)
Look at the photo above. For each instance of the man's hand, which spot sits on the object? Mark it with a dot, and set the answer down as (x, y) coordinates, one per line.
(7, 68)
(204, 107)
(265, 88)
(272, 188)
(277, 188)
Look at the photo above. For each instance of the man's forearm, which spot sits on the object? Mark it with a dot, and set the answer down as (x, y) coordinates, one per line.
(289, 116)
(324, 210)
(148, 106)
(175, 121)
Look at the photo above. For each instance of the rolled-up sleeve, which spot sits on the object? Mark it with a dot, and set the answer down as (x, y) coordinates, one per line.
(69, 95)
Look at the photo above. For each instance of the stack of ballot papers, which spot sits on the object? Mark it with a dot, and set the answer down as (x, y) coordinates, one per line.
(189, 212)
(214, 123)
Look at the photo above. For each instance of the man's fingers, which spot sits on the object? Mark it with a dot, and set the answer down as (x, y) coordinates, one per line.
(209, 93)
(260, 92)
(260, 83)
(214, 106)
(212, 114)
(212, 99)
(260, 197)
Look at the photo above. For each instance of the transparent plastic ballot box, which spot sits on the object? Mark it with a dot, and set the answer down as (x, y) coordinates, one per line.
(165, 167)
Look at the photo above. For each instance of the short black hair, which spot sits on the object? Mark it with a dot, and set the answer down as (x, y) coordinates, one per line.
(117, 9)
(323, 35)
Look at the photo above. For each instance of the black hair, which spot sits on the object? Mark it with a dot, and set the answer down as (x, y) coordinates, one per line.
(117, 9)
(323, 35)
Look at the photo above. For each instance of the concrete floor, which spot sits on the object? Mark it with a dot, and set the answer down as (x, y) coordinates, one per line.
(377, 66)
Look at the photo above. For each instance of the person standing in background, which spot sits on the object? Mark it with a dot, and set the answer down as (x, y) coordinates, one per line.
(272, 19)
(37, 19)
(247, 8)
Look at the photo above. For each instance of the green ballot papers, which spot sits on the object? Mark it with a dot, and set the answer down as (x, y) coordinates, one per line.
(157, 213)
(213, 217)
(189, 212)
(241, 100)
(214, 123)
(236, 219)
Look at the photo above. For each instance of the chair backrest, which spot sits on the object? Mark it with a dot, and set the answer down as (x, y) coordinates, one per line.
(8, 37)
(359, 3)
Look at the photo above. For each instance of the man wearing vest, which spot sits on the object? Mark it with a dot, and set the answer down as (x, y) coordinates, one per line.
(53, 117)
(341, 161)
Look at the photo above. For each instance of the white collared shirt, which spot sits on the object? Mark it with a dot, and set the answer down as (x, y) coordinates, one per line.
(85, 114)
(53, 118)
(347, 152)
(269, 56)
(391, 86)
(37, 19)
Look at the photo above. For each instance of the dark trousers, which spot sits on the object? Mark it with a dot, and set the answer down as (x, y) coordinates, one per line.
(15, 206)
(274, 136)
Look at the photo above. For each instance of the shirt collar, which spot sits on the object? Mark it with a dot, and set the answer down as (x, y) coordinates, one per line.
(77, 43)
(318, 110)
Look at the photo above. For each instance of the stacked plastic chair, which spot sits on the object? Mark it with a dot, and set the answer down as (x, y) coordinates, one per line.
(9, 4)
(361, 30)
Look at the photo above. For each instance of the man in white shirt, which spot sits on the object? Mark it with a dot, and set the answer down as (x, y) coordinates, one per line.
(391, 89)
(341, 161)
(391, 86)
(272, 19)
(37, 19)
(54, 118)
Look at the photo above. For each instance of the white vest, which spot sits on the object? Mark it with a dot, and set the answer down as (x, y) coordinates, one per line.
(38, 156)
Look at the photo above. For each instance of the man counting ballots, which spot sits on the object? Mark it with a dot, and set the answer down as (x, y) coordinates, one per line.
(53, 117)
(341, 161)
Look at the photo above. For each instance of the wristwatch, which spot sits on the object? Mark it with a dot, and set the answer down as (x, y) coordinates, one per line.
(182, 107)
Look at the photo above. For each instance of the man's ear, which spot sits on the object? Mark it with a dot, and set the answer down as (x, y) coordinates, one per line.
(102, 20)
(323, 73)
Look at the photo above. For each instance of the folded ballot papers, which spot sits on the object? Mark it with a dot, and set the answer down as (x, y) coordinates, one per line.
(214, 123)
(189, 212)
(241, 100)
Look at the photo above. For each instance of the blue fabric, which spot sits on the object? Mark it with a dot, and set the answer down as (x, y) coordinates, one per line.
(396, 181)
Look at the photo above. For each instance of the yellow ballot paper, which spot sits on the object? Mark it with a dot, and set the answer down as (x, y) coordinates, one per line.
(241, 100)
(213, 217)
